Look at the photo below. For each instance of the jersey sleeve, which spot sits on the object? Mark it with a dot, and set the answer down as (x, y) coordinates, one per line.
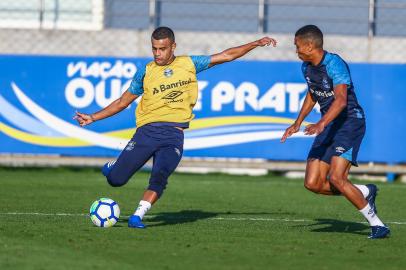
(304, 67)
(137, 84)
(338, 71)
(201, 62)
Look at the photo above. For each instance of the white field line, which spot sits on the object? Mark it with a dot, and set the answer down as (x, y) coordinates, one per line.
(181, 218)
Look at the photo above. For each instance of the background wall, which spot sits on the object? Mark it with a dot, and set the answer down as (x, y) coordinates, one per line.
(53, 52)
(361, 31)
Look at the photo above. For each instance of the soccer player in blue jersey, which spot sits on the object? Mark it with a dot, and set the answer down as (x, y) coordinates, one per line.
(169, 90)
(339, 131)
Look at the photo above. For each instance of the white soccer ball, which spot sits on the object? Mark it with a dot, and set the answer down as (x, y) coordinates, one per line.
(104, 212)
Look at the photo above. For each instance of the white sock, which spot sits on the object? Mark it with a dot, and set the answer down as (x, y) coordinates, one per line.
(142, 208)
(370, 215)
(364, 190)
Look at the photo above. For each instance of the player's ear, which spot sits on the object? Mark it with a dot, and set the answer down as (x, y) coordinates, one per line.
(173, 47)
(310, 45)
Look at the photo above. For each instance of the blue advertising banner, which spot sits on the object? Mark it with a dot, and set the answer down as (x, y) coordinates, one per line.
(242, 111)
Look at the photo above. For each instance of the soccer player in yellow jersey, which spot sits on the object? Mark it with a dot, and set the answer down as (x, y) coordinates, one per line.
(168, 87)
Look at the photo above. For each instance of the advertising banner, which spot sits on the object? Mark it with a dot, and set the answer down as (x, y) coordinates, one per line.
(242, 111)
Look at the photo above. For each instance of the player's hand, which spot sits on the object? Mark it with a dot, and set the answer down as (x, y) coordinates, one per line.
(266, 41)
(83, 119)
(290, 131)
(314, 129)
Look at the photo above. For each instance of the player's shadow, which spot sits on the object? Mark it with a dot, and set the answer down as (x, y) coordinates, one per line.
(256, 214)
(188, 216)
(338, 226)
(184, 216)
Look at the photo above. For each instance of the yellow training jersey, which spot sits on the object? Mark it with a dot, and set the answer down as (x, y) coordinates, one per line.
(169, 92)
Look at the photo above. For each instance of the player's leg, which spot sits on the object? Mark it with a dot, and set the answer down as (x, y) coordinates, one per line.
(165, 162)
(137, 152)
(166, 159)
(340, 181)
(342, 153)
(317, 168)
(319, 158)
(369, 191)
(316, 178)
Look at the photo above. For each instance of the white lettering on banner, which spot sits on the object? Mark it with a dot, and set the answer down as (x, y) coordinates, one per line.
(102, 70)
(274, 98)
(115, 92)
(201, 85)
(81, 91)
(294, 90)
(76, 100)
(103, 82)
(248, 94)
(92, 93)
(222, 93)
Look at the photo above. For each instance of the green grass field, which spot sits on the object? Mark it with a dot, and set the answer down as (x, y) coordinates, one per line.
(202, 222)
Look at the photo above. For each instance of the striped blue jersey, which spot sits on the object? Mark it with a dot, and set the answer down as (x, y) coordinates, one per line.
(322, 79)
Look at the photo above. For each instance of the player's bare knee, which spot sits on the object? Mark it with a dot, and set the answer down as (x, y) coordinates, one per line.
(312, 185)
(337, 180)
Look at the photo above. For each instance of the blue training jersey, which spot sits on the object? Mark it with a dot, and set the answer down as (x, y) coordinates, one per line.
(322, 79)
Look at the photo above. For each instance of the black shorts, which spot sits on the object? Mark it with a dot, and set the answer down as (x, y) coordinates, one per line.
(163, 143)
(341, 138)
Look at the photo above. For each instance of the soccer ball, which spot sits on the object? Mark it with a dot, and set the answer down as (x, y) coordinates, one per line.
(104, 212)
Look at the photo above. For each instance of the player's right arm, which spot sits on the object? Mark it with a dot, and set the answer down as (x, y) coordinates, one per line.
(135, 90)
(307, 107)
(115, 107)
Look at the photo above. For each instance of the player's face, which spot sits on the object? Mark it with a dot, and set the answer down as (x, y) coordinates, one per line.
(303, 49)
(163, 51)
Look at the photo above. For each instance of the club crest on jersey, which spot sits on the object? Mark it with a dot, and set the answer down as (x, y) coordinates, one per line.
(168, 72)
(325, 83)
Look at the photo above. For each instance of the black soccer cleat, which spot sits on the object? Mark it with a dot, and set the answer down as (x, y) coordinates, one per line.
(379, 232)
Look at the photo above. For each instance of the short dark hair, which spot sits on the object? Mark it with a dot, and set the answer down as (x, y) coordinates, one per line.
(311, 32)
(163, 32)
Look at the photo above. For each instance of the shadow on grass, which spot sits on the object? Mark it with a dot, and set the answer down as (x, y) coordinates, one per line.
(188, 216)
(338, 226)
(184, 216)
(171, 218)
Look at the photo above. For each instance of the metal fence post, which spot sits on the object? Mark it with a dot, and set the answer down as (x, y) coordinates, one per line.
(154, 13)
(371, 26)
(261, 16)
(371, 18)
(41, 13)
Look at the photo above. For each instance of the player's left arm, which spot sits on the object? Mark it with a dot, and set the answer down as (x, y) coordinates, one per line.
(236, 52)
(339, 73)
(339, 103)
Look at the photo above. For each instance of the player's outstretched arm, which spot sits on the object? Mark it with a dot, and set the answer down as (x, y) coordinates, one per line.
(116, 106)
(307, 107)
(236, 52)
